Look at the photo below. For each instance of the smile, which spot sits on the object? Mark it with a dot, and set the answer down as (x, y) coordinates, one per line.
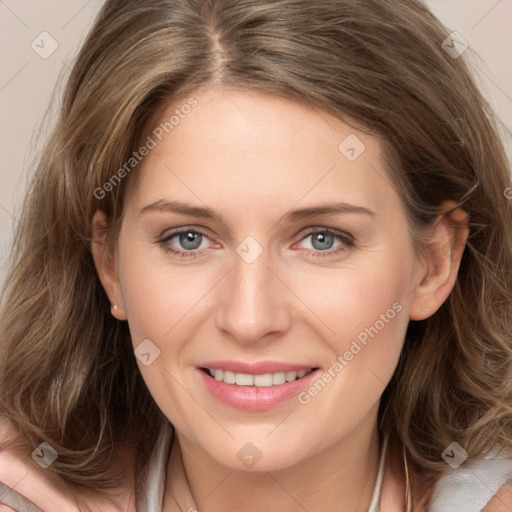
(255, 386)
(262, 380)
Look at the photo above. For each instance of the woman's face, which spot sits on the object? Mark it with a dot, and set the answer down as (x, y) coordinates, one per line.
(294, 256)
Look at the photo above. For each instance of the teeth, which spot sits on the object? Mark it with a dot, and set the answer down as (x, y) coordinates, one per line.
(265, 380)
(242, 379)
(279, 378)
(229, 377)
(291, 376)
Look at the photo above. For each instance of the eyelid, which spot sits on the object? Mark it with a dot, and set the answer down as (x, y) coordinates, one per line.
(347, 240)
(172, 232)
(164, 239)
(324, 229)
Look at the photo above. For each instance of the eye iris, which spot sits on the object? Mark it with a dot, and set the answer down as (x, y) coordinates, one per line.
(190, 240)
(322, 241)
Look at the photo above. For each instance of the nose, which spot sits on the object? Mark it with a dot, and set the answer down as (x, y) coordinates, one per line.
(254, 304)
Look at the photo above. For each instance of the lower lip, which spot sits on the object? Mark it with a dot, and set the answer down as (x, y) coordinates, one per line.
(255, 398)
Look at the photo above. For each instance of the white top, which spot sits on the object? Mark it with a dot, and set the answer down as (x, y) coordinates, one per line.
(470, 487)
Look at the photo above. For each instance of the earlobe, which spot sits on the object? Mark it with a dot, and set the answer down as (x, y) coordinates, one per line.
(104, 262)
(442, 256)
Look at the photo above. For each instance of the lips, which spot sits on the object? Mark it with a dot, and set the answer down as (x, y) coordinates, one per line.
(255, 386)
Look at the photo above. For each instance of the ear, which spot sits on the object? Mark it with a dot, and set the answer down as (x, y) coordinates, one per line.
(442, 254)
(105, 263)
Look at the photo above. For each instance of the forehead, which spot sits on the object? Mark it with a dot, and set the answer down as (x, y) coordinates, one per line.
(245, 148)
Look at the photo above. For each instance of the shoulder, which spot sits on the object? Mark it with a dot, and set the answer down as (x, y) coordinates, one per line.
(25, 486)
(502, 500)
(475, 486)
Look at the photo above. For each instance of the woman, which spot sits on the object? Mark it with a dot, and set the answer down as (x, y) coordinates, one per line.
(265, 261)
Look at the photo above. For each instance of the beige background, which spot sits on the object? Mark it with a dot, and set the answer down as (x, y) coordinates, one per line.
(27, 80)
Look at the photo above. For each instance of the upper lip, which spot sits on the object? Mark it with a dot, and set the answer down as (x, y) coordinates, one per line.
(255, 368)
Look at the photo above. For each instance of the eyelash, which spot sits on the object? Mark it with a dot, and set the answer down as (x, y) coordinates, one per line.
(346, 239)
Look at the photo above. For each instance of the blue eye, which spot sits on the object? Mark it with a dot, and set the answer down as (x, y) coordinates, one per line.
(188, 242)
(189, 239)
(323, 240)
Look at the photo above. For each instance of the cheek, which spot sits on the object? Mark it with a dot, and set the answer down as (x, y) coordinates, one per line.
(359, 300)
(366, 309)
(157, 297)
(162, 305)
(364, 352)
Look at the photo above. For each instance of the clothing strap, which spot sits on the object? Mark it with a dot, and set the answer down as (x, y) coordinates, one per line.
(374, 504)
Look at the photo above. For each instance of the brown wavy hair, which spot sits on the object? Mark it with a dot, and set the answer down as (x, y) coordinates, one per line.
(67, 370)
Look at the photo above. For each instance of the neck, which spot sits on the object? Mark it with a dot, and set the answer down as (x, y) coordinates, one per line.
(341, 477)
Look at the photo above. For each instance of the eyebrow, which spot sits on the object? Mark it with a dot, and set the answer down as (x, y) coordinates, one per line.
(183, 208)
(294, 215)
(327, 209)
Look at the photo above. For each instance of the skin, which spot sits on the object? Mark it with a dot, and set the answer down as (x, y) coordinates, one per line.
(502, 502)
(252, 158)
